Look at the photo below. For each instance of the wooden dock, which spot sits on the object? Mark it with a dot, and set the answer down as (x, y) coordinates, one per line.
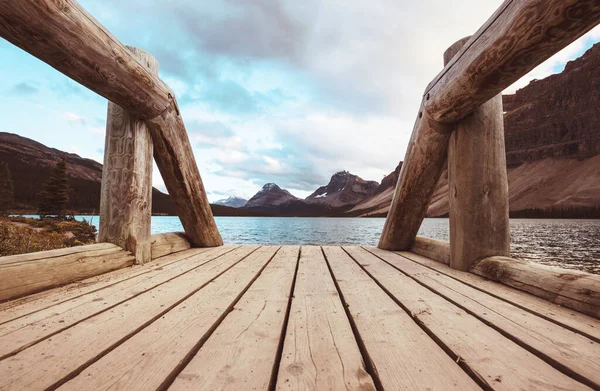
(182, 311)
(302, 318)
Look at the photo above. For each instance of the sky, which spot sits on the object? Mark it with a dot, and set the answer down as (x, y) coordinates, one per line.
(281, 91)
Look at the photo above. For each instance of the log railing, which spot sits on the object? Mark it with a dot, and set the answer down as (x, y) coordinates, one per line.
(460, 123)
(143, 120)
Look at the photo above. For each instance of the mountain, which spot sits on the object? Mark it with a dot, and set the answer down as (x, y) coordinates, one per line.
(380, 201)
(233, 201)
(31, 163)
(270, 195)
(342, 190)
(552, 140)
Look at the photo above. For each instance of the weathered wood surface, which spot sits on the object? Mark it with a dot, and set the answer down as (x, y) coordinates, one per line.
(52, 361)
(424, 162)
(412, 359)
(478, 185)
(223, 317)
(19, 258)
(438, 250)
(175, 160)
(518, 37)
(241, 353)
(20, 333)
(570, 352)
(562, 316)
(320, 351)
(168, 243)
(496, 361)
(65, 36)
(24, 278)
(147, 360)
(27, 305)
(126, 193)
(570, 288)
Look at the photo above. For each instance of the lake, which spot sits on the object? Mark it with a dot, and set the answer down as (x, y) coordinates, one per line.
(573, 244)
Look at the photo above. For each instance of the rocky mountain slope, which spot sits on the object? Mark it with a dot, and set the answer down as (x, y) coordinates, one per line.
(343, 189)
(270, 195)
(552, 133)
(31, 163)
(233, 201)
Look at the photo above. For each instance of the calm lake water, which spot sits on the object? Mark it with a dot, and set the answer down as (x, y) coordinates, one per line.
(571, 244)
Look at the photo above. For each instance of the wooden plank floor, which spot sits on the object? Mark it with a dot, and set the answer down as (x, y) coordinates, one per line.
(297, 318)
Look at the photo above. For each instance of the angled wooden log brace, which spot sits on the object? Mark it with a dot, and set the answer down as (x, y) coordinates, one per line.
(519, 36)
(65, 36)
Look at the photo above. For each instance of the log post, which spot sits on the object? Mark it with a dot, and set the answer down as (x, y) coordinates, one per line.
(478, 183)
(126, 194)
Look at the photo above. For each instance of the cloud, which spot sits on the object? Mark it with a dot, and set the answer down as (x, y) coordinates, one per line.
(24, 89)
(73, 118)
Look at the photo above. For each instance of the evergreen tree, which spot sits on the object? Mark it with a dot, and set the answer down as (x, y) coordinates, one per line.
(6, 189)
(54, 197)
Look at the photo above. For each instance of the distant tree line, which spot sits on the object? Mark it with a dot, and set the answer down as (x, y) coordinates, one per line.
(559, 212)
(6, 189)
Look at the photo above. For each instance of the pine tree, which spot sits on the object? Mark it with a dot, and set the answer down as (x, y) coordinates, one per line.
(6, 189)
(54, 197)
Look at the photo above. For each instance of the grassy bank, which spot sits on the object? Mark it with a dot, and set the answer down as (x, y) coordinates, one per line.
(19, 235)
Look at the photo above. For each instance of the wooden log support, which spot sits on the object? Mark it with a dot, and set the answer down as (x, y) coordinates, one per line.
(518, 37)
(574, 289)
(64, 35)
(126, 195)
(423, 165)
(478, 184)
(168, 243)
(438, 250)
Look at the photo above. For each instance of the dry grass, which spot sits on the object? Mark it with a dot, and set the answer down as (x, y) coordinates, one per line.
(33, 235)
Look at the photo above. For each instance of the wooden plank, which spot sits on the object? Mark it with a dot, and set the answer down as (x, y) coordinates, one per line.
(126, 192)
(26, 305)
(55, 359)
(517, 38)
(403, 355)
(424, 162)
(65, 36)
(28, 330)
(570, 288)
(241, 353)
(19, 279)
(151, 358)
(438, 250)
(55, 253)
(319, 351)
(175, 160)
(565, 317)
(478, 184)
(570, 352)
(496, 361)
(167, 243)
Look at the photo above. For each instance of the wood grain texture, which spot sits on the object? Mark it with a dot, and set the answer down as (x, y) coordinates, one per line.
(423, 165)
(438, 250)
(517, 38)
(563, 316)
(24, 278)
(567, 351)
(19, 258)
(175, 160)
(30, 304)
(168, 243)
(126, 192)
(478, 184)
(62, 34)
(570, 288)
(147, 360)
(403, 355)
(28, 330)
(47, 363)
(241, 353)
(496, 361)
(319, 351)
